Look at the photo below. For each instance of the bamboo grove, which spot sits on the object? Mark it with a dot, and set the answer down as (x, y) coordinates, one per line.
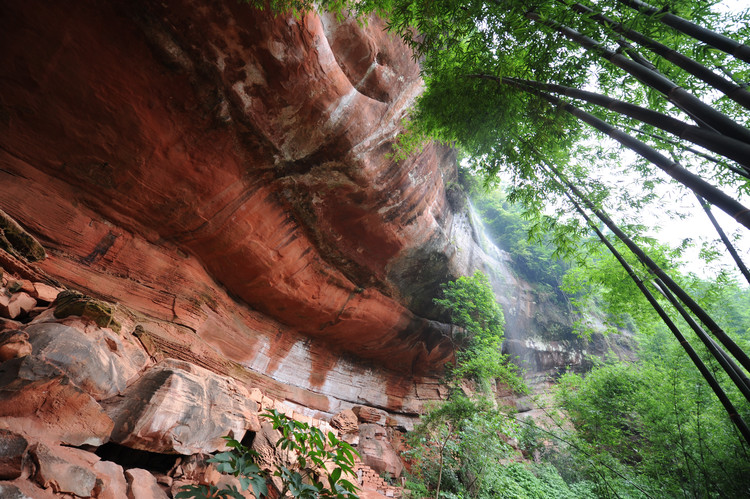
(510, 83)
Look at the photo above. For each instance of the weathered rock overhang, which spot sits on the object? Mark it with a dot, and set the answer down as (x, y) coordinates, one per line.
(226, 171)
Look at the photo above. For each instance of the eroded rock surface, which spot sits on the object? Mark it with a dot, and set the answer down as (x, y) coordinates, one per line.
(62, 473)
(268, 150)
(12, 450)
(200, 221)
(42, 401)
(176, 407)
(143, 485)
(377, 451)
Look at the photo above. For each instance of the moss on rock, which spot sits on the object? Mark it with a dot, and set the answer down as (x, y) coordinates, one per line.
(16, 241)
(74, 303)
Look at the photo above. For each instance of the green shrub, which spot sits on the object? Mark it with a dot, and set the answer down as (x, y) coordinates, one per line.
(307, 477)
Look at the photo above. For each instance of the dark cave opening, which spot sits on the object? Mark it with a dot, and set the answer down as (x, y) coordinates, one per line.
(135, 458)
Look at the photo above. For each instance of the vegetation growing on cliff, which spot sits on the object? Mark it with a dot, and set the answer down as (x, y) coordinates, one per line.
(472, 306)
(496, 77)
(652, 428)
(597, 108)
(321, 466)
(457, 447)
(497, 74)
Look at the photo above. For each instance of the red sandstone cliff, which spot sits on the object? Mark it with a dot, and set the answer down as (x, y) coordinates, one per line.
(223, 170)
(220, 179)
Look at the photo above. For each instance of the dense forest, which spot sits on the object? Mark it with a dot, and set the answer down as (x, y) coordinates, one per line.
(598, 120)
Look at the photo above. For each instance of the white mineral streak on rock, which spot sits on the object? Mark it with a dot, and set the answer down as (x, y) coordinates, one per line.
(239, 90)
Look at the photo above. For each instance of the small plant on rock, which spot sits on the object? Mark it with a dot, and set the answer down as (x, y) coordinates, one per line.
(317, 471)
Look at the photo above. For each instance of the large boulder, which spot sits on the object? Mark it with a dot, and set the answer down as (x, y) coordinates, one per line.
(55, 469)
(111, 480)
(370, 415)
(377, 451)
(345, 421)
(177, 407)
(142, 485)
(15, 305)
(93, 361)
(39, 399)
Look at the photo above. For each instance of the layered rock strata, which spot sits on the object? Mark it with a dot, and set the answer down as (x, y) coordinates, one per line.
(225, 171)
(87, 411)
(206, 193)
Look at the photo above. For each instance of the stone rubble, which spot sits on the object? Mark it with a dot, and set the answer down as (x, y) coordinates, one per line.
(143, 485)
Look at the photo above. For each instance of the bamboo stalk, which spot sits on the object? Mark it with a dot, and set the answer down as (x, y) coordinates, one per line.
(721, 42)
(676, 94)
(732, 412)
(727, 87)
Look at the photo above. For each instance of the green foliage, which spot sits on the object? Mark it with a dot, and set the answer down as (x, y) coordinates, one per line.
(341, 8)
(660, 424)
(456, 443)
(307, 477)
(519, 481)
(457, 446)
(466, 47)
(314, 450)
(471, 304)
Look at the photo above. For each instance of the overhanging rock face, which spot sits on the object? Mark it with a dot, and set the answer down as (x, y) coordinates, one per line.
(214, 186)
(225, 174)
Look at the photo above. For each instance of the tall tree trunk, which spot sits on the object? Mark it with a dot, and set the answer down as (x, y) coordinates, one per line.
(730, 247)
(734, 415)
(440, 464)
(693, 182)
(720, 144)
(676, 94)
(697, 152)
(696, 309)
(730, 367)
(721, 42)
(727, 87)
